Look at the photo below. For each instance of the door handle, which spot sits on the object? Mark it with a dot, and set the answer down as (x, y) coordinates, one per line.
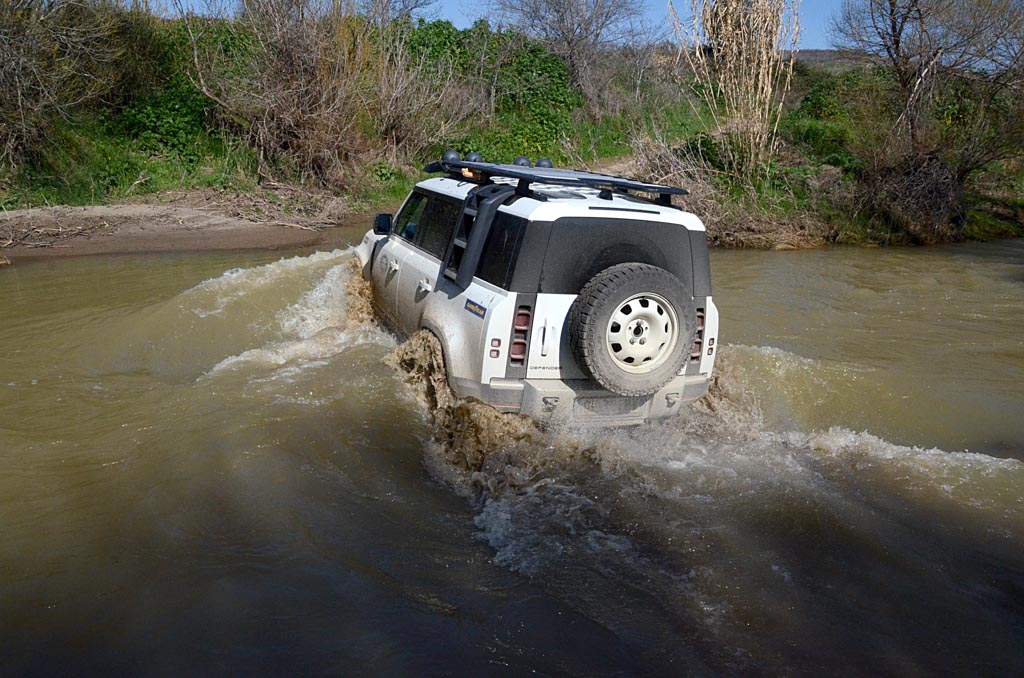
(393, 265)
(423, 286)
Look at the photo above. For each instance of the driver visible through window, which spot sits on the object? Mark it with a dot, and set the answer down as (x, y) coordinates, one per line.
(407, 224)
(428, 222)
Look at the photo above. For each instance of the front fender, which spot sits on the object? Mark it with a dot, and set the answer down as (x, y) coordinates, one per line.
(366, 251)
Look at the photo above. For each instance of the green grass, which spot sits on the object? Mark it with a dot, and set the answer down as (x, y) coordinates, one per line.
(611, 136)
(986, 225)
(88, 163)
(565, 139)
(827, 141)
(387, 192)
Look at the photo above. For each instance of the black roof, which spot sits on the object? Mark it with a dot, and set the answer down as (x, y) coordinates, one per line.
(554, 175)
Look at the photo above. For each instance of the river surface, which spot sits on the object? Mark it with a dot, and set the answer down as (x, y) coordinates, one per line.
(208, 467)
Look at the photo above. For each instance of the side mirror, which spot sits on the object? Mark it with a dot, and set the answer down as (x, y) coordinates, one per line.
(382, 224)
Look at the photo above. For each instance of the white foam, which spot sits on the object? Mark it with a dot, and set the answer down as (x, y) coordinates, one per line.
(310, 330)
(322, 308)
(311, 351)
(213, 296)
(722, 460)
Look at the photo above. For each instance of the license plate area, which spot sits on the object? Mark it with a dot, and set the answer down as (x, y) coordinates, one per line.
(631, 408)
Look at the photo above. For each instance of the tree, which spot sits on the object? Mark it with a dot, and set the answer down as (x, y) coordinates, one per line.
(381, 12)
(929, 43)
(958, 70)
(576, 30)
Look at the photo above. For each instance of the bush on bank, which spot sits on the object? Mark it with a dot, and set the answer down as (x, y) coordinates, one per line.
(846, 173)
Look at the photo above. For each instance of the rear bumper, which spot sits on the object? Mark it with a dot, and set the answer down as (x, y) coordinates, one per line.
(552, 401)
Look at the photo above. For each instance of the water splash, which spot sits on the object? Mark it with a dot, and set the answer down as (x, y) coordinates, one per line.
(732, 525)
(332, 316)
(216, 295)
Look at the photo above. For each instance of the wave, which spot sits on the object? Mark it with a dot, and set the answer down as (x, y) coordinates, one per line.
(331, 317)
(718, 520)
(215, 295)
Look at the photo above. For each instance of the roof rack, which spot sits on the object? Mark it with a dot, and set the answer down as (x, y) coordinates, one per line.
(607, 184)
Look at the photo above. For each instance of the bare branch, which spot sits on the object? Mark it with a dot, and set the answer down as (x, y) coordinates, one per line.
(576, 30)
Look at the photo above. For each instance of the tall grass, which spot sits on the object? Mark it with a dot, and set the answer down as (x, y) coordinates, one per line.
(741, 55)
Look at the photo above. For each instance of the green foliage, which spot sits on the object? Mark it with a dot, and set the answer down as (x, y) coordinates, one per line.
(158, 132)
(709, 149)
(984, 224)
(172, 119)
(841, 115)
(824, 101)
(90, 164)
(512, 136)
(831, 97)
(806, 77)
(522, 74)
(170, 114)
(529, 88)
(438, 41)
(383, 173)
(383, 186)
(827, 141)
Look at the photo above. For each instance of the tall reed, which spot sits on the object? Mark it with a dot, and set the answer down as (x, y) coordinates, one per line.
(741, 55)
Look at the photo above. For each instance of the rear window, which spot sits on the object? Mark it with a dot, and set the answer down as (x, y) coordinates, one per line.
(581, 247)
(500, 250)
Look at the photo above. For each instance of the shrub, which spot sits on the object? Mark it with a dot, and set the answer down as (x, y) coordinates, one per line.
(524, 93)
(920, 196)
(828, 141)
(323, 94)
(54, 57)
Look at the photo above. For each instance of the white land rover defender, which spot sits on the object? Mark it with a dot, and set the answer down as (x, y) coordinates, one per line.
(559, 294)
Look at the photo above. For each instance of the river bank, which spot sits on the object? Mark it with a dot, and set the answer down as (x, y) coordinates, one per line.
(284, 217)
(185, 221)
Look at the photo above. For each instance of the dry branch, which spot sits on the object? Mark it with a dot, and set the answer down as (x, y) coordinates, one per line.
(322, 90)
(38, 236)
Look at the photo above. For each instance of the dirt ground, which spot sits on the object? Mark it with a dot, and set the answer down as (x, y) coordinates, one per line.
(181, 222)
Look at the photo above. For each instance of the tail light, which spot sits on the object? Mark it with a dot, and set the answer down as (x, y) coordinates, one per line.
(522, 321)
(519, 349)
(698, 340)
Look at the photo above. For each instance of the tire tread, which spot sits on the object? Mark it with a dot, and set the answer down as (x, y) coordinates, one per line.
(595, 294)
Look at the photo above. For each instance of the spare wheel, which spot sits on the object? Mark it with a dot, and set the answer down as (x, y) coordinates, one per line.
(632, 328)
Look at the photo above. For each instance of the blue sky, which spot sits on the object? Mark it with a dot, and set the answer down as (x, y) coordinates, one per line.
(814, 16)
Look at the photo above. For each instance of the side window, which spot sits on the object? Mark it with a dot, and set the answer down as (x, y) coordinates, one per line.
(499, 255)
(427, 221)
(407, 226)
(438, 224)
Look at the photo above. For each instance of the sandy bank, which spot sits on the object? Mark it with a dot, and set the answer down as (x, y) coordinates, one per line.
(189, 223)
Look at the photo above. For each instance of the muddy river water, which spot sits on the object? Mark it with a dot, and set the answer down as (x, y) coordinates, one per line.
(207, 466)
